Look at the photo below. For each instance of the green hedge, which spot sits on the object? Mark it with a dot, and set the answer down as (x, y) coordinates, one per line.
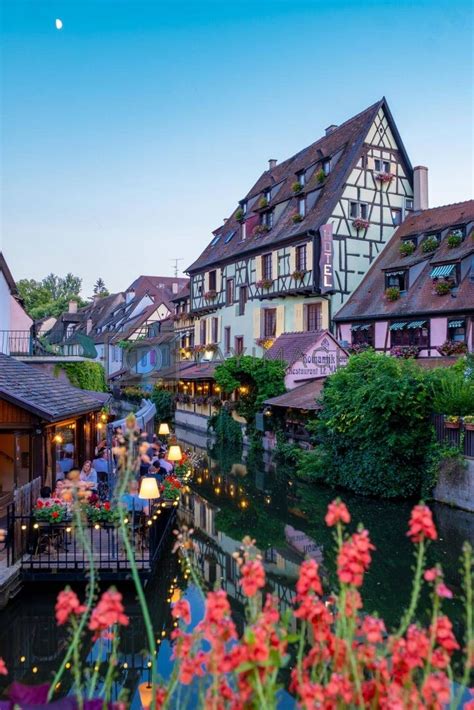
(84, 375)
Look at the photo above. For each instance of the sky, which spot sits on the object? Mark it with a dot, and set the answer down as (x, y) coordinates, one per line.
(131, 133)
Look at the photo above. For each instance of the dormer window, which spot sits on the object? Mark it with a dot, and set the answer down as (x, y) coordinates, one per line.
(326, 166)
(302, 207)
(446, 271)
(457, 233)
(266, 219)
(381, 166)
(300, 177)
(215, 240)
(396, 279)
(268, 195)
(243, 206)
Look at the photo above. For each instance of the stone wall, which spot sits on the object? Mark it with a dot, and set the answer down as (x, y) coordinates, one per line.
(456, 486)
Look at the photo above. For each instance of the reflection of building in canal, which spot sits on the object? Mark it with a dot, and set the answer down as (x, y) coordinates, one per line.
(216, 550)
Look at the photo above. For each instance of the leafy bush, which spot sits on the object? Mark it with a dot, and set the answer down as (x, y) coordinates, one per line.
(164, 403)
(227, 431)
(84, 375)
(453, 394)
(374, 430)
(133, 394)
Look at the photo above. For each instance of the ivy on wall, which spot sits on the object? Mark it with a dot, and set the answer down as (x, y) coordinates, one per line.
(84, 375)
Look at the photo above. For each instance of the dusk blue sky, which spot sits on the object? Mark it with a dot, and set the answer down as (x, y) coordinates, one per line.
(131, 133)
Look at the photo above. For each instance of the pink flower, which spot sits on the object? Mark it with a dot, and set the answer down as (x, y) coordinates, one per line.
(337, 513)
(443, 591)
(108, 612)
(67, 603)
(432, 574)
(421, 524)
(253, 577)
(309, 579)
(354, 558)
(3, 668)
(182, 610)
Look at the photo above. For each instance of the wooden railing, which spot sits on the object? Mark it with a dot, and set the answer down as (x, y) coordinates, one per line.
(460, 436)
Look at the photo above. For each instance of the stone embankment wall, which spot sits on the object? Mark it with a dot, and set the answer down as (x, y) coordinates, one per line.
(456, 486)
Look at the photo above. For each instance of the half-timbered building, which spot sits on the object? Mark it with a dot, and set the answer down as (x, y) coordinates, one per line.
(298, 244)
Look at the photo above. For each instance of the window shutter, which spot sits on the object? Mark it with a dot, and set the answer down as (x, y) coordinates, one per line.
(309, 256)
(218, 280)
(298, 314)
(257, 324)
(206, 281)
(292, 259)
(258, 268)
(275, 264)
(197, 332)
(219, 328)
(280, 322)
(370, 163)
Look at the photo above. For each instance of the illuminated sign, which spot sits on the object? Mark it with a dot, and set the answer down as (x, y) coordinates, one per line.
(326, 271)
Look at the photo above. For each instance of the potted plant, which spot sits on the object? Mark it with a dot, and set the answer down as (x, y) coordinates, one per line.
(261, 229)
(405, 351)
(454, 240)
(210, 295)
(262, 203)
(429, 244)
(384, 177)
(298, 275)
(101, 513)
(320, 176)
(297, 187)
(264, 283)
(453, 347)
(452, 422)
(443, 287)
(296, 217)
(199, 348)
(392, 293)
(171, 488)
(49, 512)
(469, 422)
(360, 224)
(239, 215)
(212, 347)
(407, 248)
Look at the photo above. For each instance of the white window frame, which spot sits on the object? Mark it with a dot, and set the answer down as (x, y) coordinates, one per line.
(383, 165)
(302, 206)
(359, 205)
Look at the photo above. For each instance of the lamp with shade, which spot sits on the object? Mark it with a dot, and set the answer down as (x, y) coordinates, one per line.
(163, 429)
(175, 453)
(149, 490)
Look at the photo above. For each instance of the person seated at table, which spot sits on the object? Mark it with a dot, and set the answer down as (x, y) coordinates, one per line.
(45, 495)
(89, 475)
(66, 463)
(101, 464)
(164, 463)
(133, 503)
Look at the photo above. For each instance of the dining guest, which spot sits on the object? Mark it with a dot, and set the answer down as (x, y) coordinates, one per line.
(89, 475)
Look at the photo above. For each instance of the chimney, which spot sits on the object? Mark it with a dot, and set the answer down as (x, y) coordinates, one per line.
(72, 307)
(420, 188)
(330, 129)
(272, 163)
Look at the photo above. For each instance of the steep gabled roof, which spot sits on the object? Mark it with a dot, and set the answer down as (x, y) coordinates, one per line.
(368, 299)
(41, 394)
(4, 268)
(343, 145)
(290, 347)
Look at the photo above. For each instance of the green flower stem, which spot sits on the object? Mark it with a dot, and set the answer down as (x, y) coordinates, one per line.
(76, 665)
(107, 687)
(90, 599)
(434, 617)
(415, 594)
(469, 634)
(95, 675)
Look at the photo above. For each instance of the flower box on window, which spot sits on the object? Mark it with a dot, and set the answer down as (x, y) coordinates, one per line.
(407, 248)
(297, 187)
(384, 177)
(264, 283)
(321, 176)
(298, 275)
(264, 343)
(261, 229)
(442, 288)
(392, 293)
(357, 348)
(468, 422)
(405, 351)
(360, 224)
(429, 244)
(262, 203)
(454, 240)
(452, 347)
(296, 217)
(210, 295)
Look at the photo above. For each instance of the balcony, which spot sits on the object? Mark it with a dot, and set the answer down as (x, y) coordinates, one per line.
(21, 343)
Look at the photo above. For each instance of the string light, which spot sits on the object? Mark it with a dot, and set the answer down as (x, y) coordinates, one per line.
(97, 526)
(125, 665)
(68, 665)
(163, 633)
(23, 527)
(149, 664)
(35, 669)
(22, 659)
(36, 526)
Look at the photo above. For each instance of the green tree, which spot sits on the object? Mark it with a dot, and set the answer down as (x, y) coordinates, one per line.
(100, 288)
(164, 403)
(51, 296)
(374, 433)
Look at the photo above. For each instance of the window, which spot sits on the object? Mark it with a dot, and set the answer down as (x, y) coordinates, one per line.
(212, 280)
(268, 194)
(396, 279)
(243, 231)
(302, 206)
(227, 339)
(215, 240)
(267, 266)
(434, 235)
(409, 204)
(269, 322)
(229, 292)
(326, 166)
(382, 166)
(229, 236)
(301, 258)
(358, 210)
(202, 332)
(191, 339)
(412, 333)
(266, 218)
(215, 330)
(300, 177)
(243, 297)
(457, 330)
(313, 316)
(239, 344)
(459, 232)
(363, 334)
(243, 206)
(396, 216)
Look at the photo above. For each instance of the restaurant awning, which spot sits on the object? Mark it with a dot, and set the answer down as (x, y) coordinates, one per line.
(302, 397)
(397, 326)
(416, 324)
(456, 323)
(442, 271)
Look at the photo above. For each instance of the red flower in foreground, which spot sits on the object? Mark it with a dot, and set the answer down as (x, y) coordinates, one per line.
(354, 558)
(109, 611)
(3, 668)
(421, 524)
(443, 591)
(253, 577)
(182, 610)
(67, 603)
(309, 579)
(337, 513)
(436, 690)
(432, 574)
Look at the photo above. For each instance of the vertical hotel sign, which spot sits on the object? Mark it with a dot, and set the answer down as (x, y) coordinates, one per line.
(326, 270)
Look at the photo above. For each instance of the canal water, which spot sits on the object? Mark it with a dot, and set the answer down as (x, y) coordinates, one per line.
(232, 494)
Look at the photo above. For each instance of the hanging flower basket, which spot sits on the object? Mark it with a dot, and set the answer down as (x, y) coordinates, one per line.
(199, 349)
(239, 215)
(360, 224)
(321, 176)
(264, 283)
(384, 177)
(454, 240)
(210, 295)
(429, 244)
(212, 347)
(452, 422)
(262, 203)
(296, 217)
